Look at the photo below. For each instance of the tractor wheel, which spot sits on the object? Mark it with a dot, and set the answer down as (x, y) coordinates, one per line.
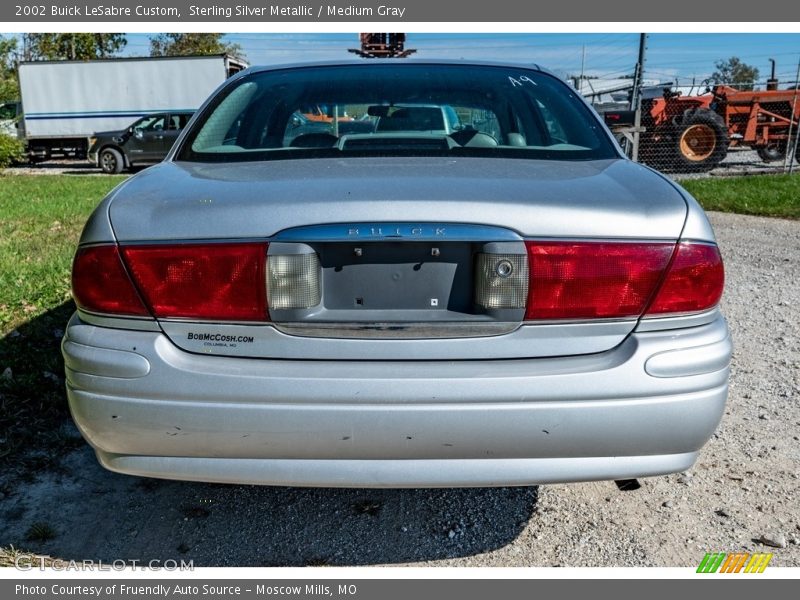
(701, 140)
(772, 152)
(111, 161)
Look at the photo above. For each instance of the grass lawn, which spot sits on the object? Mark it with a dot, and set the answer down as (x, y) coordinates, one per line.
(41, 218)
(40, 222)
(764, 195)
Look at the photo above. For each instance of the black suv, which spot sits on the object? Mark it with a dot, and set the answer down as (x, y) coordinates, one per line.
(145, 142)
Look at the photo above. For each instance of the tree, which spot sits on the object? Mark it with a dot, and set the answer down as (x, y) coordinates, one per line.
(73, 46)
(184, 44)
(735, 73)
(9, 87)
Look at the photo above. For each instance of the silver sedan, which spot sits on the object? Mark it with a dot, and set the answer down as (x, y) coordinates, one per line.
(499, 299)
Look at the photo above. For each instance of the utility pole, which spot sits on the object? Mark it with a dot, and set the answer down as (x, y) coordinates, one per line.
(791, 146)
(583, 69)
(26, 47)
(636, 96)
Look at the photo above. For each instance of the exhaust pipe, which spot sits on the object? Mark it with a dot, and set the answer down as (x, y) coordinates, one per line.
(772, 82)
(627, 485)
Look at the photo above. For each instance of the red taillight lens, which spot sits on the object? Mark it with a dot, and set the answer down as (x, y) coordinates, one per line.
(101, 284)
(201, 281)
(694, 282)
(593, 280)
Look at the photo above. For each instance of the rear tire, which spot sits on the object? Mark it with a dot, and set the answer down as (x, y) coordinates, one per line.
(111, 161)
(701, 140)
(772, 152)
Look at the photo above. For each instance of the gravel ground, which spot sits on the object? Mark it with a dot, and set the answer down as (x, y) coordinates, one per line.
(56, 167)
(740, 496)
(739, 161)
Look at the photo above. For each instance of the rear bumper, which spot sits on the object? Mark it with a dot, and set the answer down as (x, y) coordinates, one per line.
(643, 408)
(397, 473)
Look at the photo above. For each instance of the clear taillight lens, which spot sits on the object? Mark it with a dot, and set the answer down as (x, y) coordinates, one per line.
(501, 280)
(293, 281)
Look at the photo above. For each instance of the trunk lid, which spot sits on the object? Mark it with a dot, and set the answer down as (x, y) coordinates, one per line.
(594, 199)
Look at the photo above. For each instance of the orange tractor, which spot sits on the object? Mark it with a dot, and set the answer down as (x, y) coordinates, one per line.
(382, 45)
(694, 133)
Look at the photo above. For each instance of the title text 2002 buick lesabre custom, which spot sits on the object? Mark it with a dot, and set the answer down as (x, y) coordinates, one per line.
(457, 279)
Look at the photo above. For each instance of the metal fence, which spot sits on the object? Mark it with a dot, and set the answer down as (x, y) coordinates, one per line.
(721, 129)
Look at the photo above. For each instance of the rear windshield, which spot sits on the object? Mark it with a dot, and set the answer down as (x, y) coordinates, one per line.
(396, 109)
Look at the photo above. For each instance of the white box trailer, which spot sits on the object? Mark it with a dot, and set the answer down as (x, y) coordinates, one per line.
(65, 102)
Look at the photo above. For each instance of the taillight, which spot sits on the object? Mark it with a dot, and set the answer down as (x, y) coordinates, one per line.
(501, 280)
(593, 280)
(101, 284)
(693, 283)
(201, 281)
(293, 281)
(596, 280)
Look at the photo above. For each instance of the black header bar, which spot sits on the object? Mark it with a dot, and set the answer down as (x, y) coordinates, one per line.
(399, 11)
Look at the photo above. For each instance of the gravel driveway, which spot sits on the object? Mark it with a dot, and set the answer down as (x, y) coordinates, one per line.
(741, 495)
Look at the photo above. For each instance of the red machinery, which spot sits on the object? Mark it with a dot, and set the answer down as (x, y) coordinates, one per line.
(694, 132)
(382, 45)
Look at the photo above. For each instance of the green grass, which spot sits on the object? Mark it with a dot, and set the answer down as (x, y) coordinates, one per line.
(40, 223)
(41, 218)
(763, 195)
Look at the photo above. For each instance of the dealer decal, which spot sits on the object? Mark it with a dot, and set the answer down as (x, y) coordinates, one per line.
(220, 339)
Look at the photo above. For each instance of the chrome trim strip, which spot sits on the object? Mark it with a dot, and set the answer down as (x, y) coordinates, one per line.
(119, 321)
(221, 322)
(397, 330)
(587, 321)
(328, 329)
(422, 232)
(656, 323)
